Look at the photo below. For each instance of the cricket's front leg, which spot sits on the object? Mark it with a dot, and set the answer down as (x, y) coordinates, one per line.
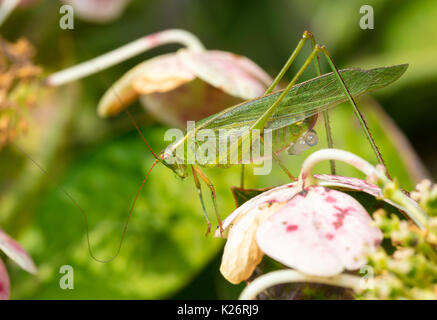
(354, 105)
(213, 194)
(328, 130)
(242, 177)
(199, 191)
(262, 121)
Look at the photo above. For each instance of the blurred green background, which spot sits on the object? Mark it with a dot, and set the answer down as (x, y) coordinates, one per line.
(102, 162)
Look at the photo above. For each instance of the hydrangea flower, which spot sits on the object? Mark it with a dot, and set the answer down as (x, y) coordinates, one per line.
(17, 254)
(317, 231)
(188, 84)
(410, 272)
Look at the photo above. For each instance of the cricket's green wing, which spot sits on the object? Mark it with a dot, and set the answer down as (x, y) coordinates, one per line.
(304, 99)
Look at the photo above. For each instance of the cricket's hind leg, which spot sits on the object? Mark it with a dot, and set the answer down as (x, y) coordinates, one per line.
(305, 36)
(358, 114)
(198, 173)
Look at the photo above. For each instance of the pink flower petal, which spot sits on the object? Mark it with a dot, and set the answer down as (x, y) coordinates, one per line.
(192, 101)
(319, 232)
(187, 85)
(169, 93)
(350, 183)
(5, 286)
(160, 74)
(236, 75)
(277, 194)
(356, 185)
(241, 253)
(97, 10)
(15, 252)
(282, 193)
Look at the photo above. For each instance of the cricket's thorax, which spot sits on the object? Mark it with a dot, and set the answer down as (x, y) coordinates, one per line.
(170, 159)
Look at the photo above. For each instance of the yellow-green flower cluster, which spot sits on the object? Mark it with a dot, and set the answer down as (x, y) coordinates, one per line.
(406, 268)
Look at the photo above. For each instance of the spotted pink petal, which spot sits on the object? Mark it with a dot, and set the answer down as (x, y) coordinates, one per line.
(241, 254)
(356, 185)
(234, 74)
(350, 183)
(5, 286)
(277, 194)
(286, 192)
(15, 252)
(97, 10)
(320, 232)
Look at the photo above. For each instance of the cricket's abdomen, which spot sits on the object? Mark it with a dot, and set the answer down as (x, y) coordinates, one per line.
(244, 146)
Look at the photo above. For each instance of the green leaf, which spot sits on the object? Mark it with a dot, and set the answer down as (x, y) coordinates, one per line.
(165, 246)
(242, 195)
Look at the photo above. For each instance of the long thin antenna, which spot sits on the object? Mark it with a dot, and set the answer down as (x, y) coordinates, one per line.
(111, 87)
(139, 131)
(76, 204)
(131, 118)
(138, 193)
(65, 192)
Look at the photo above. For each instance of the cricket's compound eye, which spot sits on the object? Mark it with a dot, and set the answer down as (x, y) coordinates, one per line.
(305, 142)
(168, 156)
(311, 138)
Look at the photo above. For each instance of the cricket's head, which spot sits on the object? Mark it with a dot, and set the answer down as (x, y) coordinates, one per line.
(169, 158)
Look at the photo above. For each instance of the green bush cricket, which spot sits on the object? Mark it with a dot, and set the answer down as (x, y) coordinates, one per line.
(292, 111)
(292, 108)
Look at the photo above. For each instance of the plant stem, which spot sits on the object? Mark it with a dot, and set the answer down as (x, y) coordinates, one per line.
(125, 52)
